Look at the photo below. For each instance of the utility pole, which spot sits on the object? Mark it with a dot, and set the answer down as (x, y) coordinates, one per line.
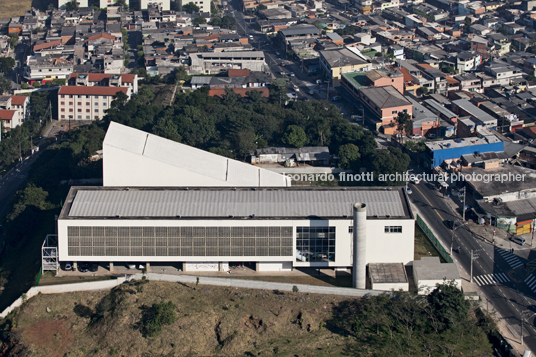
(50, 107)
(463, 209)
(20, 151)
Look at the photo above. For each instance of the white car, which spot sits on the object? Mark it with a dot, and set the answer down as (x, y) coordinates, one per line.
(409, 191)
(415, 180)
(416, 137)
(296, 88)
(292, 74)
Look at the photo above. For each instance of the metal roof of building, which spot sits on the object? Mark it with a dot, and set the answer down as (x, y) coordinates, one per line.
(299, 30)
(385, 97)
(262, 203)
(153, 147)
(434, 105)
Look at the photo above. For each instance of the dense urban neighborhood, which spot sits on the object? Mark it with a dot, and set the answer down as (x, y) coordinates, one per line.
(298, 177)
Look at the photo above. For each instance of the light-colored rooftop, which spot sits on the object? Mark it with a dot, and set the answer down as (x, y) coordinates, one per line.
(431, 268)
(456, 143)
(153, 147)
(225, 203)
(382, 273)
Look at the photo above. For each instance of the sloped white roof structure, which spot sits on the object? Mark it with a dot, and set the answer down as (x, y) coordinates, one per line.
(135, 158)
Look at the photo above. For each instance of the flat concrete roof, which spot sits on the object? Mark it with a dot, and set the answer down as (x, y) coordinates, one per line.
(431, 268)
(494, 187)
(456, 143)
(387, 273)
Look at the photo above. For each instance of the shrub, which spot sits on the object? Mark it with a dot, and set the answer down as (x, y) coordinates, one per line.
(295, 289)
(24, 85)
(157, 316)
(37, 84)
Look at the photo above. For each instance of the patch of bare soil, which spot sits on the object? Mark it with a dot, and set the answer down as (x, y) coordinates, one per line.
(52, 337)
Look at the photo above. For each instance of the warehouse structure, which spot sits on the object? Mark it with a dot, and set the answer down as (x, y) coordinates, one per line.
(132, 157)
(206, 228)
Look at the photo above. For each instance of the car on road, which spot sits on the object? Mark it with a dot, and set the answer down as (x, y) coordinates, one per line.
(409, 191)
(292, 74)
(278, 54)
(518, 240)
(296, 88)
(83, 267)
(318, 81)
(449, 223)
(336, 98)
(282, 64)
(415, 180)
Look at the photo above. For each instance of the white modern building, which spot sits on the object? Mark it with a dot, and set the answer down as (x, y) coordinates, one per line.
(277, 228)
(135, 158)
(86, 103)
(216, 62)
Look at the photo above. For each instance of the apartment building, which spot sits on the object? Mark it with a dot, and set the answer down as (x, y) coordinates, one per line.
(9, 119)
(86, 103)
(18, 103)
(104, 80)
(503, 74)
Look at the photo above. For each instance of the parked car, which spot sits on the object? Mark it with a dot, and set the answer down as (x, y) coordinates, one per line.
(318, 81)
(296, 88)
(278, 54)
(68, 267)
(518, 240)
(94, 268)
(416, 137)
(409, 191)
(131, 266)
(415, 180)
(83, 267)
(336, 98)
(141, 267)
(292, 74)
(282, 64)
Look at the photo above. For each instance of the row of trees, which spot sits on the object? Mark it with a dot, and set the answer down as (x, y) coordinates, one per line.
(403, 324)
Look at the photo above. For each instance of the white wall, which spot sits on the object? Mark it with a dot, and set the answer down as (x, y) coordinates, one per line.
(390, 247)
(381, 247)
(391, 286)
(279, 266)
(427, 286)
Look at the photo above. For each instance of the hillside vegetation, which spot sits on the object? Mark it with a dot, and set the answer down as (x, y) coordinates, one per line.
(167, 319)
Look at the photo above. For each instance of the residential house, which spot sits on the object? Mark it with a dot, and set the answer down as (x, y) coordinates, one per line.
(335, 62)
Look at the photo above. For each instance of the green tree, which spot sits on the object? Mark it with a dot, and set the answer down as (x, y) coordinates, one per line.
(5, 85)
(261, 7)
(449, 304)
(122, 5)
(71, 5)
(119, 100)
(140, 54)
(216, 21)
(228, 22)
(199, 20)
(36, 84)
(424, 90)
(468, 22)
(245, 142)
(13, 40)
(502, 30)
(294, 136)
(404, 123)
(6, 64)
(348, 155)
(190, 8)
(213, 9)
(59, 81)
(387, 162)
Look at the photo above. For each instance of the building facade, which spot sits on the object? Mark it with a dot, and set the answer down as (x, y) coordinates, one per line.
(86, 103)
(277, 229)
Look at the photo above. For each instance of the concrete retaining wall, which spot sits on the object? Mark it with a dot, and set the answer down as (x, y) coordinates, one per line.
(189, 279)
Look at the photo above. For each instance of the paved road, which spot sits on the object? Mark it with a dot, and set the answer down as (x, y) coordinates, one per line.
(500, 275)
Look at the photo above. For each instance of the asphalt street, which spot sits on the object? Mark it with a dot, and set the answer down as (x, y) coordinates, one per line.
(503, 277)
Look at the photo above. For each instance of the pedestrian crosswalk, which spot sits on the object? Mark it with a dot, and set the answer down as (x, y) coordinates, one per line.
(510, 258)
(531, 282)
(490, 279)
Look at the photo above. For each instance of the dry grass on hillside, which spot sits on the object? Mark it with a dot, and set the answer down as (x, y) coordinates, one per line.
(211, 321)
(12, 8)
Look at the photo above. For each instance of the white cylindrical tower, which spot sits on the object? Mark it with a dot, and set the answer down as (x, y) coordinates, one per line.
(359, 271)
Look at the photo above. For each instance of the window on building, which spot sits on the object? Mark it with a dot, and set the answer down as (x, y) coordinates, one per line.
(63, 116)
(79, 110)
(96, 117)
(62, 109)
(79, 96)
(71, 110)
(315, 244)
(62, 96)
(79, 117)
(70, 96)
(88, 111)
(70, 103)
(96, 104)
(393, 229)
(350, 229)
(62, 103)
(394, 112)
(88, 117)
(79, 103)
